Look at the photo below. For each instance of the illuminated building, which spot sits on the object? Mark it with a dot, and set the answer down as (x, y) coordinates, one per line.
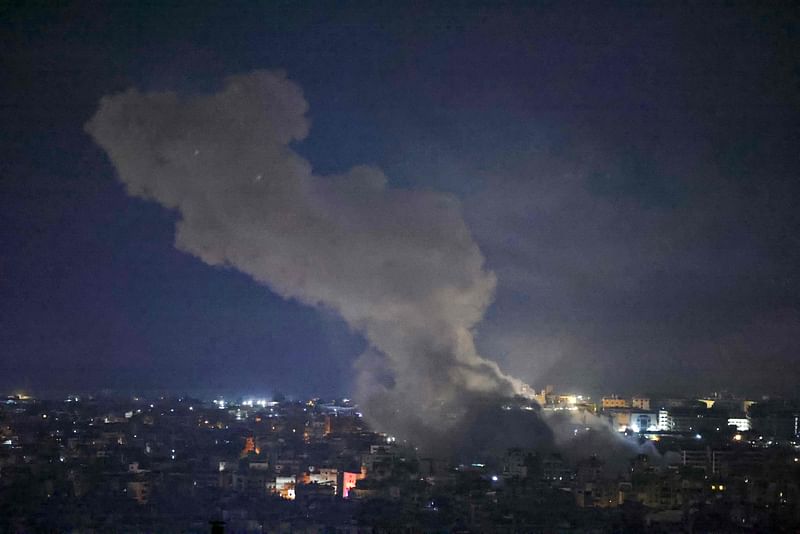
(285, 486)
(627, 419)
(569, 400)
(249, 447)
(641, 421)
(620, 418)
(349, 481)
(640, 403)
(323, 476)
(613, 402)
(664, 420)
(742, 424)
(543, 397)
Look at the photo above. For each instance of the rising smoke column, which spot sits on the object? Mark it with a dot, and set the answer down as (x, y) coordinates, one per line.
(400, 266)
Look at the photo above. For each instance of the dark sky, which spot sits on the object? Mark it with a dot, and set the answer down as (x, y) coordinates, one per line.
(628, 171)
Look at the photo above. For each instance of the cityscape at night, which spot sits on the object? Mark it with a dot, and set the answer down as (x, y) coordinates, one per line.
(100, 463)
(399, 267)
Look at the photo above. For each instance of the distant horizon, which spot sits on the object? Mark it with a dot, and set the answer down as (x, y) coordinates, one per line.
(207, 395)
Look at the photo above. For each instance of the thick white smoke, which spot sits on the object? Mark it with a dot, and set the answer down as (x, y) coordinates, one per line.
(400, 266)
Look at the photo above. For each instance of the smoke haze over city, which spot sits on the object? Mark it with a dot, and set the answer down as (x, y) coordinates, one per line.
(600, 198)
(436, 267)
(399, 266)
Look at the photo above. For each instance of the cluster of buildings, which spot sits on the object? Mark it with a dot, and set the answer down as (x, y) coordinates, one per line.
(777, 418)
(257, 465)
(174, 464)
(718, 414)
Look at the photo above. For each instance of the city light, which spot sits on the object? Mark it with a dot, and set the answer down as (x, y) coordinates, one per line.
(307, 467)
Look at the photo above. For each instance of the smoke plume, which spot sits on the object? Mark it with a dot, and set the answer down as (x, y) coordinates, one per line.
(400, 266)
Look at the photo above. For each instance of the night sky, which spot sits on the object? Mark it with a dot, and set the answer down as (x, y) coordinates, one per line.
(629, 172)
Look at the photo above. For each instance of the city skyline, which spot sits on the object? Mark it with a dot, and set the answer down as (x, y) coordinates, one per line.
(182, 464)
